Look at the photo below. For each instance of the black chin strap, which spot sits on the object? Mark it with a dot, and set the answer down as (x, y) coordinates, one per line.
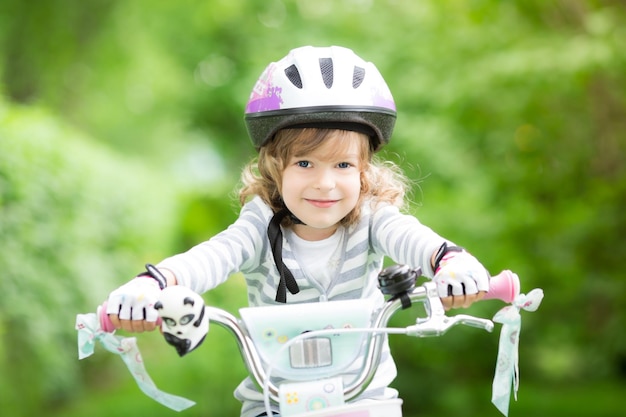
(275, 235)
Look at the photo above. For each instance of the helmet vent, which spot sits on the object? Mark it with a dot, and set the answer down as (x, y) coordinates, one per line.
(293, 75)
(326, 66)
(358, 76)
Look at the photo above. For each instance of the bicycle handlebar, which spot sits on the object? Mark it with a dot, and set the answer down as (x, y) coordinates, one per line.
(504, 286)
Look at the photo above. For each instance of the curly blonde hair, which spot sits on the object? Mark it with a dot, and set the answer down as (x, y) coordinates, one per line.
(381, 181)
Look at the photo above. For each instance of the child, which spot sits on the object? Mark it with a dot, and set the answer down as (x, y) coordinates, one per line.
(319, 211)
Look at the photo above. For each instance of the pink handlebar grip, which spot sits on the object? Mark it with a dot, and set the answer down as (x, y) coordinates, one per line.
(105, 321)
(505, 286)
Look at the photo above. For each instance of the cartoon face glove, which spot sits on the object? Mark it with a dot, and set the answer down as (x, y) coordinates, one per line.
(458, 273)
(184, 322)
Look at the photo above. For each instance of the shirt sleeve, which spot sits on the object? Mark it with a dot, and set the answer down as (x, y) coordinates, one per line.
(404, 239)
(235, 249)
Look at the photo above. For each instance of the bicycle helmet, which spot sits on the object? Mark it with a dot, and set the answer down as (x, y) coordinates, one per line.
(328, 87)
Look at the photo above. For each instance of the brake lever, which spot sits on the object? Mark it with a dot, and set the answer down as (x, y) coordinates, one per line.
(472, 321)
(437, 323)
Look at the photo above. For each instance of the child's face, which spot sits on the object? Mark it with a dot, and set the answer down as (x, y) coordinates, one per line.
(322, 186)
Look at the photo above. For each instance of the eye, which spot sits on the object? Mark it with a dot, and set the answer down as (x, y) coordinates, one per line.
(186, 319)
(169, 322)
(344, 165)
(303, 164)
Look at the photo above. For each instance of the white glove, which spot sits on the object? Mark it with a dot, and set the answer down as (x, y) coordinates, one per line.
(135, 300)
(458, 273)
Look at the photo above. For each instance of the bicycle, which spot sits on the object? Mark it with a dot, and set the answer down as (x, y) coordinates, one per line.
(309, 355)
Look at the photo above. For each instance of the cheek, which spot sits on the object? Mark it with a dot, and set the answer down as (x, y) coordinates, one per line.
(355, 185)
(285, 183)
(289, 186)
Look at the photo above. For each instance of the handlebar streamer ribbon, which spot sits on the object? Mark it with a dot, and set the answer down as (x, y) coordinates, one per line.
(507, 368)
(89, 332)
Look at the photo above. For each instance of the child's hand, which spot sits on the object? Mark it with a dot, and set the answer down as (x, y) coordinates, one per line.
(461, 279)
(131, 306)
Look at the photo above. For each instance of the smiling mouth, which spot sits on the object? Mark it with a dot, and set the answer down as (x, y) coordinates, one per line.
(322, 203)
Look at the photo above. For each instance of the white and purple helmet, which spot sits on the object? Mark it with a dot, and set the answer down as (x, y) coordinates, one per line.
(328, 87)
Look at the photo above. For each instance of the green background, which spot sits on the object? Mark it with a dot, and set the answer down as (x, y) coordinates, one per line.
(122, 139)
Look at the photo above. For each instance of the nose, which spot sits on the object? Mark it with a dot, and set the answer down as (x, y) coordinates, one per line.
(325, 179)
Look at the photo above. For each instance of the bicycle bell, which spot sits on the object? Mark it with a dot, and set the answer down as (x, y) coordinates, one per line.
(185, 324)
(398, 281)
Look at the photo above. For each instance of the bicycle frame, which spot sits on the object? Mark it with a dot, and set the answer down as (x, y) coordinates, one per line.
(436, 324)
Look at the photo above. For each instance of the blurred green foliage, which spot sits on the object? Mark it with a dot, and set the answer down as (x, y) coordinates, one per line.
(121, 138)
(74, 224)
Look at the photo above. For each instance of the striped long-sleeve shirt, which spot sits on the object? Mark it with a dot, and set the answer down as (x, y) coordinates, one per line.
(244, 247)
